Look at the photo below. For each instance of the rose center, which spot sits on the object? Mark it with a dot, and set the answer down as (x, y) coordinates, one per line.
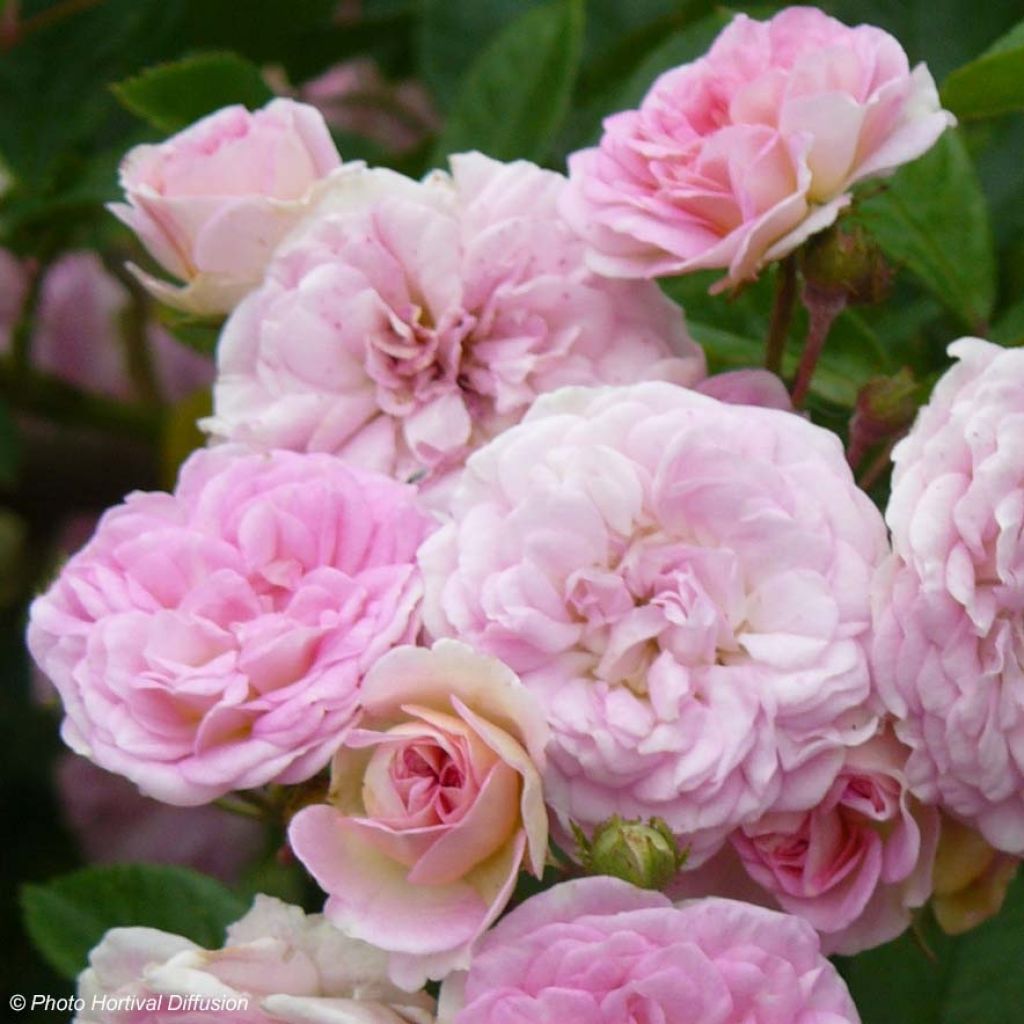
(428, 777)
(655, 599)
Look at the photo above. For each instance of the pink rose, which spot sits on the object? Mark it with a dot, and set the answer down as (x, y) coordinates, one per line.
(948, 653)
(278, 966)
(212, 202)
(859, 862)
(684, 585)
(735, 159)
(436, 804)
(432, 314)
(215, 638)
(599, 951)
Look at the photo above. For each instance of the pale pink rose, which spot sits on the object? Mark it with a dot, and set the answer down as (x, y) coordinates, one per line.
(431, 314)
(684, 584)
(858, 863)
(735, 159)
(748, 387)
(212, 202)
(13, 291)
(215, 638)
(599, 951)
(949, 650)
(278, 966)
(435, 806)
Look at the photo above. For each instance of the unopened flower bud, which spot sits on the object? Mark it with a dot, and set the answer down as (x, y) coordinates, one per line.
(886, 406)
(645, 854)
(970, 878)
(846, 260)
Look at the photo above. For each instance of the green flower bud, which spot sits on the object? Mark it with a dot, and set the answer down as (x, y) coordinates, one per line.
(645, 854)
(846, 260)
(886, 406)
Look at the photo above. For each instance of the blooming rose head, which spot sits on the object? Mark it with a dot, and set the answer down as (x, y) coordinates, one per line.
(735, 159)
(411, 321)
(278, 966)
(949, 646)
(684, 585)
(599, 951)
(856, 864)
(215, 638)
(212, 202)
(436, 804)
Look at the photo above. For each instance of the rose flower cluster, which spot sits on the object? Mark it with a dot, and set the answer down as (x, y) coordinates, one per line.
(480, 556)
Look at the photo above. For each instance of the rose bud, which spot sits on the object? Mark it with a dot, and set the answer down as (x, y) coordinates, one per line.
(645, 854)
(212, 202)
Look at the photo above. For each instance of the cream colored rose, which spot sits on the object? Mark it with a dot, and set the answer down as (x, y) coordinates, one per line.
(435, 805)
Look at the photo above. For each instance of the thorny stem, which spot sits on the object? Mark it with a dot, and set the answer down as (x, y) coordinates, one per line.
(823, 307)
(782, 314)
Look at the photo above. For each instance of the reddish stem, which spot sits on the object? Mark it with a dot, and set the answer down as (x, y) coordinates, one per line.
(823, 307)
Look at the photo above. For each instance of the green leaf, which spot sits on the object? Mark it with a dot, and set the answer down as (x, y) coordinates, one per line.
(450, 35)
(1009, 328)
(172, 96)
(54, 101)
(991, 85)
(932, 218)
(517, 92)
(68, 916)
(971, 979)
